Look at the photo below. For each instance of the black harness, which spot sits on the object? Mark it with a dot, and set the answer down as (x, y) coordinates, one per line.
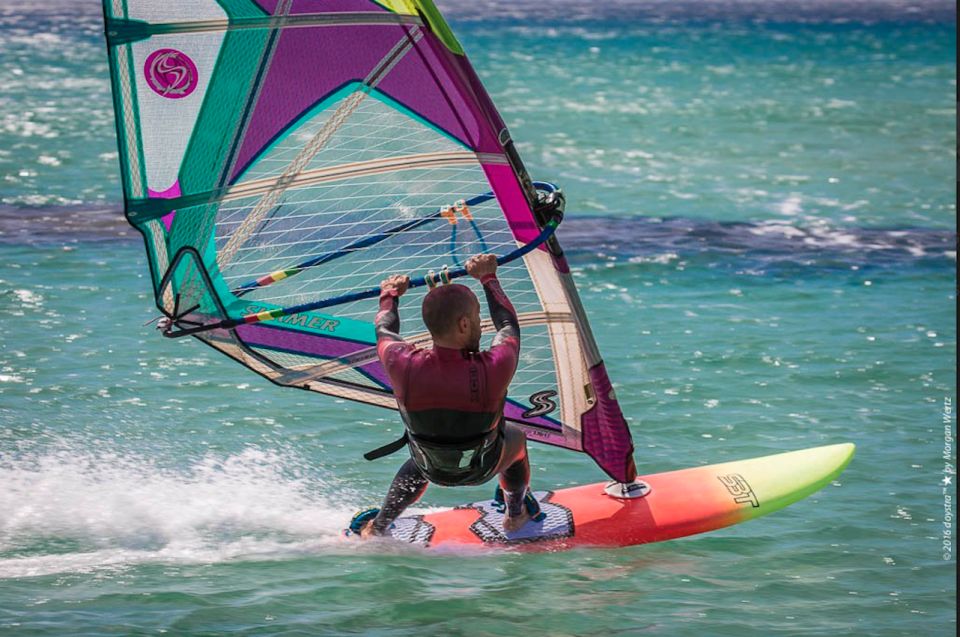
(445, 460)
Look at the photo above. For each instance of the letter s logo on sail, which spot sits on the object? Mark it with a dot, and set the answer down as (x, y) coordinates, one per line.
(170, 73)
(543, 404)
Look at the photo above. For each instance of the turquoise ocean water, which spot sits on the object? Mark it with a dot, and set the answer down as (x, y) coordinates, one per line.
(762, 222)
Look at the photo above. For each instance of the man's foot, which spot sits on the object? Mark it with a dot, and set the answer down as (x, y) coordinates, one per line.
(513, 523)
(368, 532)
(362, 523)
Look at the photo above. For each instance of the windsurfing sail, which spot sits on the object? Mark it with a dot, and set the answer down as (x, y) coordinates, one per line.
(279, 155)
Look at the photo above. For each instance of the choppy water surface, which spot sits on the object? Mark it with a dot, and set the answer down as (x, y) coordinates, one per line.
(762, 226)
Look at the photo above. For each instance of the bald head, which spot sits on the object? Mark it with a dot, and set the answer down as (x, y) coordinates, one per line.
(444, 306)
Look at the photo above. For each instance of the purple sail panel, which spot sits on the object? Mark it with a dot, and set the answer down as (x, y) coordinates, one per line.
(513, 202)
(429, 82)
(606, 437)
(307, 344)
(310, 64)
(513, 411)
(544, 436)
(460, 67)
(321, 6)
(169, 193)
(307, 66)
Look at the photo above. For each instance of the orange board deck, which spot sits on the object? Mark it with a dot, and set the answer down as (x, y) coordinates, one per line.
(680, 503)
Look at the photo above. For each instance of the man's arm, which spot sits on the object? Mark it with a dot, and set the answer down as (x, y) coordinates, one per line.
(501, 310)
(387, 322)
(484, 268)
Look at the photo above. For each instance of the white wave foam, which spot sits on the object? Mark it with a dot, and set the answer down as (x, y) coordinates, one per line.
(777, 228)
(791, 206)
(29, 298)
(818, 233)
(112, 511)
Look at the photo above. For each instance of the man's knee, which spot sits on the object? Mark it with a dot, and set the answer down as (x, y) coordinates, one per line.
(515, 442)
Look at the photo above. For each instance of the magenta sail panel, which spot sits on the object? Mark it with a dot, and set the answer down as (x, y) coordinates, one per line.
(295, 83)
(300, 7)
(428, 80)
(606, 437)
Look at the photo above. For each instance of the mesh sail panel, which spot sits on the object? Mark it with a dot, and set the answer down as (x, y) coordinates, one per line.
(321, 217)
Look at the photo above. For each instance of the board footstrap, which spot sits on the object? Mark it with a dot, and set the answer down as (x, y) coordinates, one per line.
(360, 520)
(529, 502)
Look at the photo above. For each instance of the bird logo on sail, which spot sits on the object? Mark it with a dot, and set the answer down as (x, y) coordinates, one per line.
(171, 73)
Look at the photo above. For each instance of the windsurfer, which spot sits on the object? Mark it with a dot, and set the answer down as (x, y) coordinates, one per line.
(451, 396)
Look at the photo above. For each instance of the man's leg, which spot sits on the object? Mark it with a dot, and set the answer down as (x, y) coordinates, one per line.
(406, 488)
(514, 471)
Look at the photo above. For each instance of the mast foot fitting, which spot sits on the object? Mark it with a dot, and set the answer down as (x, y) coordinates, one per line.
(627, 490)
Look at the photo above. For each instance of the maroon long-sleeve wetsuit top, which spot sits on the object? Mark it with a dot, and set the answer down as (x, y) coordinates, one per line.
(452, 400)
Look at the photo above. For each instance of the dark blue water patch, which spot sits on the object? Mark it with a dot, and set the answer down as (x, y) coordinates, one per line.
(764, 244)
(67, 225)
(64, 18)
